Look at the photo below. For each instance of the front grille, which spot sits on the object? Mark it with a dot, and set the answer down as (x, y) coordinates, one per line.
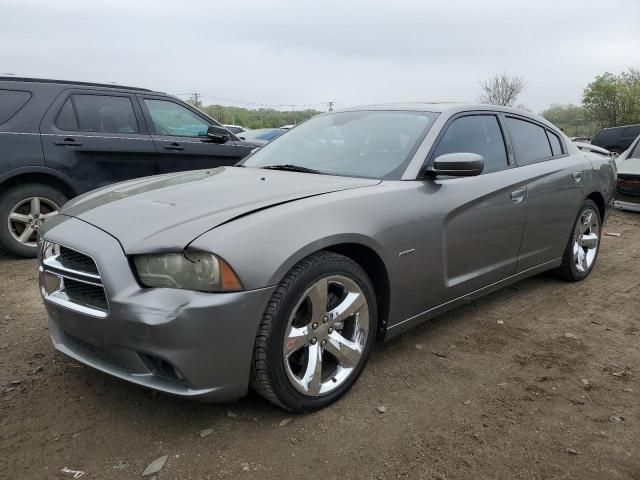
(72, 280)
(85, 293)
(74, 260)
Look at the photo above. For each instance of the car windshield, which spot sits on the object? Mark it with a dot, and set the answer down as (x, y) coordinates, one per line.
(370, 144)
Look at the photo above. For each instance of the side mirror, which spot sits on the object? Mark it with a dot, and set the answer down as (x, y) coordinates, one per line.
(218, 134)
(458, 165)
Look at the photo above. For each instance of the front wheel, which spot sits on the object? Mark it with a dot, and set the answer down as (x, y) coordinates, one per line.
(316, 334)
(584, 244)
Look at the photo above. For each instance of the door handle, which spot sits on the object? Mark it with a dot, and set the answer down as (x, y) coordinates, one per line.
(517, 196)
(174, 146)
(577, 177)
(67, 142)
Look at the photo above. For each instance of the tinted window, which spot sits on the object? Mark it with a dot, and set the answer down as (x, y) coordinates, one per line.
(479, 134)
(105, 113)
(529, 141)
(631, 132)
(169, 118)
(66, 119)
(11, 101)
(556, 148)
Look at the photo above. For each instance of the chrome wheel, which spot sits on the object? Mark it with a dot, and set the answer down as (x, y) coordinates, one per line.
(26, 217)
(326, 335)
(586, 240)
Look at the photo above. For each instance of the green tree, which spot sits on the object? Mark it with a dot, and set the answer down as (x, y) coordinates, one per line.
(574, 120)
(256, 118)
(613, 100)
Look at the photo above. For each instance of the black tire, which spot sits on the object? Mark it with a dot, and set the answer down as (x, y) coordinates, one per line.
(568, 271)
(12, 197)
(268, 375)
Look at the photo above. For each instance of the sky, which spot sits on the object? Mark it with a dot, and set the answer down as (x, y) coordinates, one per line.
(300, 52)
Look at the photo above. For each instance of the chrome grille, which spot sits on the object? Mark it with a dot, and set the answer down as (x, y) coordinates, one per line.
(71, 279)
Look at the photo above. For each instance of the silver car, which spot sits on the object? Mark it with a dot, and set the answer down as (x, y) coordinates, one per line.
(282, 271)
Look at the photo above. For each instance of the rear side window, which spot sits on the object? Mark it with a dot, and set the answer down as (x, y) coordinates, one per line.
(97, 113)
(529, 141)
(556, 146)
(11, 101)
(478, 134)
(631, 131)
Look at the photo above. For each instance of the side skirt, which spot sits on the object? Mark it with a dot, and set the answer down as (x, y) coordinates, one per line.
(404, 325)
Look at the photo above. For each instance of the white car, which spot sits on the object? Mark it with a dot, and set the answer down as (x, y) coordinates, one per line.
(628, 185)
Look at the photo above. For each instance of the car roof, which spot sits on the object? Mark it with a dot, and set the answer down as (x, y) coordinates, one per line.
(450, 108)
(71, 82)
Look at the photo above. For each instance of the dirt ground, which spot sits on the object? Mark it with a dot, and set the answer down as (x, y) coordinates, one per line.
(540, 380)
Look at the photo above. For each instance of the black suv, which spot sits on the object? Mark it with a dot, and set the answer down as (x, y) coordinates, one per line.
(616, 139)
(59, 139)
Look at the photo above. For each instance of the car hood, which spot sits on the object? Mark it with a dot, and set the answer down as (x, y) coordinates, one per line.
(167, 212)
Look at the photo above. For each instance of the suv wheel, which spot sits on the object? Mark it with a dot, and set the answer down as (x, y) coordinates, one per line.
(23, 209)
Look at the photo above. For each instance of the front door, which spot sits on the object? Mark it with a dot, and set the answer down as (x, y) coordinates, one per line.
(483, 216)
(97, 138)
(180, 135)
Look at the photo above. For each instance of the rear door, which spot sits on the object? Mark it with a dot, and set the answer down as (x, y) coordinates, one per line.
(180, 136)
(482, 229)
(97, 138)
(555, 190)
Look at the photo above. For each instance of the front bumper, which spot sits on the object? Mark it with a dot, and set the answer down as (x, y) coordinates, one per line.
(181, 342)
(626, 205)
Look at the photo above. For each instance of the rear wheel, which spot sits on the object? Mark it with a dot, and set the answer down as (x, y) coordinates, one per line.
(584, 244)
(23, 209)
(316, 334)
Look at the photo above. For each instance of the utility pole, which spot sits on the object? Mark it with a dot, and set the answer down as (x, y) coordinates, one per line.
(196, 99)
(331, 105)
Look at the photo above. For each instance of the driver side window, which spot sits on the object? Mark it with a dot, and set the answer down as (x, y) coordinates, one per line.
(480, 134)
(169, 118)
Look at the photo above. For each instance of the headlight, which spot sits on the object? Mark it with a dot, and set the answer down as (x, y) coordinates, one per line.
(190, 270)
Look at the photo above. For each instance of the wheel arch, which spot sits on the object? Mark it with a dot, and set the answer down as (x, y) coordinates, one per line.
(47, 176)
(362, 250)
(599, 200)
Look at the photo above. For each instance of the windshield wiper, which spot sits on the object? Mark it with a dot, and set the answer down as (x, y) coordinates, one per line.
(292, 168)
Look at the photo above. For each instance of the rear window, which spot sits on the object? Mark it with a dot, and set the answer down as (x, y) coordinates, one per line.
(529, 140)
(556, 146)
(97, 113)
(631, 131)
(11, 101)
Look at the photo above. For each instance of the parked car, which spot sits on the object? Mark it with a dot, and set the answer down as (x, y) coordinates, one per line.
(234, 128)
(281, 272)
(262, 135)
(59, 139)
(628, 186)
(616, 139)
(587, 147)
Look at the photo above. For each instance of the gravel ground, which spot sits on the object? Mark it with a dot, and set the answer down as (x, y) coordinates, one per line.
(540, 380)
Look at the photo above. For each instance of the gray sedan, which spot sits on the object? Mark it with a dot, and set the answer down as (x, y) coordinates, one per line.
(282, 271)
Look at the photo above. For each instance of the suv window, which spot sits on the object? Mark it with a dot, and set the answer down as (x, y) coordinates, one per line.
(631, 131)
(97, 113)
(529, 140)
(11, 101)
(170, 118)
(479, 134)
(556, 146)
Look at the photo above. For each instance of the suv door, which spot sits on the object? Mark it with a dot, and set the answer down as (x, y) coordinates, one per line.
(554, 193)
(180, 136)
(97, 138)
(482, 228)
